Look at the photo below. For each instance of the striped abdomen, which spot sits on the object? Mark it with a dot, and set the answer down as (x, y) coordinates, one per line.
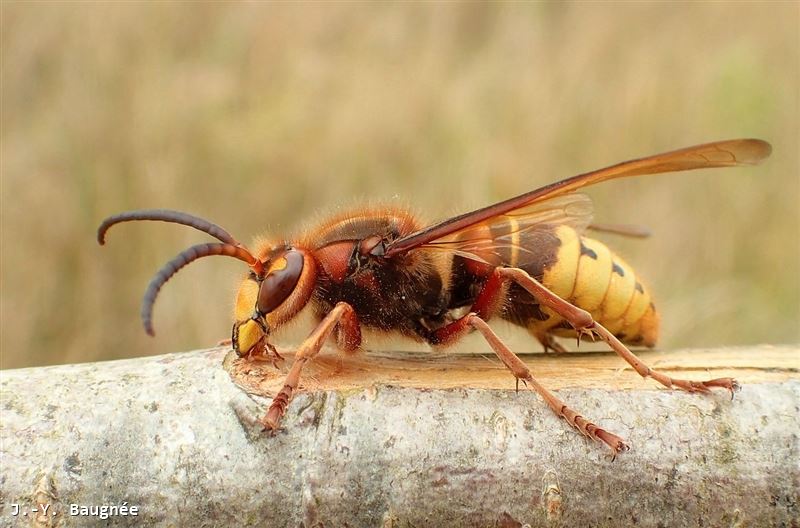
(587, 274)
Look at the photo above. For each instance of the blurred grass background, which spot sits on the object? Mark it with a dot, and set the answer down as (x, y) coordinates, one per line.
(258, 116)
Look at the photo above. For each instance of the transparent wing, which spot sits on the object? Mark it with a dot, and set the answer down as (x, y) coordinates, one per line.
(513, 238)
(730, 153)
(628, 230)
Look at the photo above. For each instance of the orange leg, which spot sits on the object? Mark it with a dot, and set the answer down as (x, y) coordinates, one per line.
(263, 352)
(485, 304)
(348, 337)
(521, 372)
(583, 323)
(549, 343)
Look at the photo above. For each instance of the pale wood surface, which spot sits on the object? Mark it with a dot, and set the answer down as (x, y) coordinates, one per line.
(176, 437)
(338, 371)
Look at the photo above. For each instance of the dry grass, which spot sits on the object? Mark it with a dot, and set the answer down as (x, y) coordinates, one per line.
(258, 115)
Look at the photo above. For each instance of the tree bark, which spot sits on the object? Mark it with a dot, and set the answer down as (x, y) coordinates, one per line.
(401, 440)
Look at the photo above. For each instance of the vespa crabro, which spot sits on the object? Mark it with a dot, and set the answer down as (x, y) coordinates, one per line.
(525, 259)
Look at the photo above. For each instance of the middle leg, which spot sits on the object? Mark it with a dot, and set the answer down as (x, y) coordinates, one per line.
(522, 372)
(489, 301)
(549, 342)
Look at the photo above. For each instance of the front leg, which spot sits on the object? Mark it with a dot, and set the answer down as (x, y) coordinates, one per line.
(348, 337)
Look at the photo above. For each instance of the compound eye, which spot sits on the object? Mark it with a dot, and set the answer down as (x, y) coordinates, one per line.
(280, 281)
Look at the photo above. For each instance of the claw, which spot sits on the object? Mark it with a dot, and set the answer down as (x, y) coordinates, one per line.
(266, 352)
(267, 425)
(588, 331)
(617, 449)
(274, 356)
(614, 442)
(550, 344)
(274, 351)
(271, 421)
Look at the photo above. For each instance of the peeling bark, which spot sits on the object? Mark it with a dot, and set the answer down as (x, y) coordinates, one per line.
(401, 442)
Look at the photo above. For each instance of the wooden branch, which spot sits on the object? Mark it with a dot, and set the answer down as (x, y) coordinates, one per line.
(401, 440)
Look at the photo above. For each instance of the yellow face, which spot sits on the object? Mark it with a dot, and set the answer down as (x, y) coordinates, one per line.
(247, 330)
(264, 303)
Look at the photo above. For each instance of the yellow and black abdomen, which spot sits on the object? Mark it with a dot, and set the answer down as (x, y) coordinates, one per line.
(589, 275)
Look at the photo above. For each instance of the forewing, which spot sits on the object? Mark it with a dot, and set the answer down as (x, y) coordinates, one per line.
(512, 238)
(718, 154)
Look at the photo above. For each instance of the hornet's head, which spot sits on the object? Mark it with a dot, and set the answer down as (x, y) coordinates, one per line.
(278, 286)
(264, 302)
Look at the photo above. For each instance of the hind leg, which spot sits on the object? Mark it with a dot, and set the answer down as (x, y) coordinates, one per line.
(583, 324)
